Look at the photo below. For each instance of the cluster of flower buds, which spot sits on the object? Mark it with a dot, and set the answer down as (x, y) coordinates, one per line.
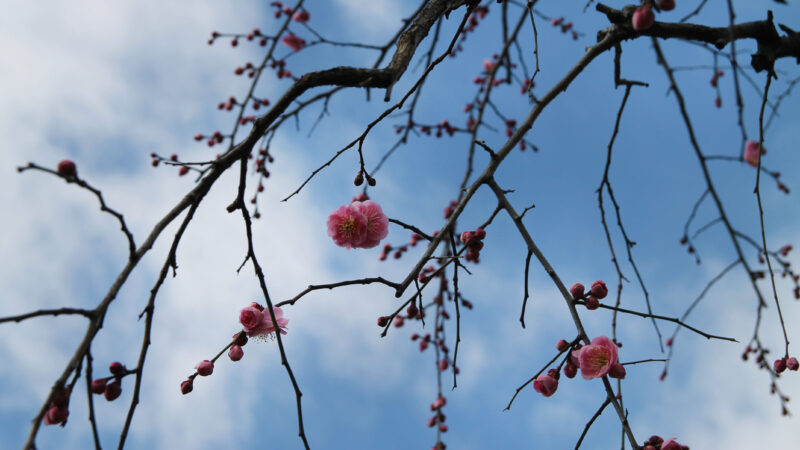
(423, 342)
(300, 16)
(472, 22)
(256, 322)
(592, 298)
(398, 252)
(785, 363)
(248, 67)
(658, 443)
(256, 33)
(258, 103)
(280, 69)
(111, 387)
(59, 408)
(566, 27)
(596, 360)
(227, 106)
(216, 137)
(359, 180)
(474, 241)
(439, 417)
(511, 125)
(527, 85)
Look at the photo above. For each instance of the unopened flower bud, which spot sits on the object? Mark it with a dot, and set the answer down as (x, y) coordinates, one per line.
(67, 168)
(577, 290)
(643, 18)
(187, 386)
(235, 353)
(204, 368)
(241, 339)
(99, 385)
(56, 415)
(779, 365)
(116, 368)
(113, 390)
(599, 289)
(617, 371)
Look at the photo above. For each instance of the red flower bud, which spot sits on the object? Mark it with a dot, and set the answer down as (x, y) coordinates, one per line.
(113, 390)
(67, 168)
(577, 290)
(99, 385)
(186, 386)
(204, 368)
(116, 368)
(599, 289)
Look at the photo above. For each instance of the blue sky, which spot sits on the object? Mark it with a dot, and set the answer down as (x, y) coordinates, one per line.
(118, 81)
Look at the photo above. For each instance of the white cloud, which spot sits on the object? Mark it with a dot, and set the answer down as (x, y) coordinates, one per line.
(375, 18)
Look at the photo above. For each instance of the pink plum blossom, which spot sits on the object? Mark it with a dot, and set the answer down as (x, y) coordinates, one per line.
(377, 223)
(293, 42)
(488, 65)
(258, 323)
(250, 318)
(597, 358)
(545, 385)
(751, 153)
(347, 226)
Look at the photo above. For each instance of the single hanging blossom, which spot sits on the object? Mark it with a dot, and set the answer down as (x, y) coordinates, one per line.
(362, 224)
(751, 153)
(596, 359)
(259, 323)
(488, 65)
(377, 223)
(347, 226)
